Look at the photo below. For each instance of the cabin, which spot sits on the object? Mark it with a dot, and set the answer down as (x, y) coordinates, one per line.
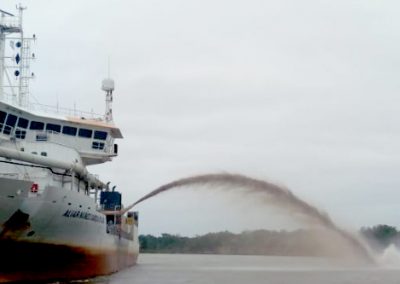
(93, 139)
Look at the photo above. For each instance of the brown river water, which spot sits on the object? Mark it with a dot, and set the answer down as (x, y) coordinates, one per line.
(234, 269)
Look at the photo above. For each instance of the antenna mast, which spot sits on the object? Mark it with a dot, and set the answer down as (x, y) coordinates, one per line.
(14, 59)
(108, 86)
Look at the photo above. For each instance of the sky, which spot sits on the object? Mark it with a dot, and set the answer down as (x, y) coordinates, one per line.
(301, 93)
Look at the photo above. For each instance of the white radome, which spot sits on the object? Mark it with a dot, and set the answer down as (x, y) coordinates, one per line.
(108, 85)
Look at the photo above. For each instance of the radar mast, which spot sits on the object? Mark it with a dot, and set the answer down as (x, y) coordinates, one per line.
(108, 86)
(15, 57)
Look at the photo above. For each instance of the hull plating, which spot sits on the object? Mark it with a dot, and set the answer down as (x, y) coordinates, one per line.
(24, 261)
(57, 235)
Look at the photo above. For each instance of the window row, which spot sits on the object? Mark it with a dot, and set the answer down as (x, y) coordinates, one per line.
(7, 122)
(98, 145)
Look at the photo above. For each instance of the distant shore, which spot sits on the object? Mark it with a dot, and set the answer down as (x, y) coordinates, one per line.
(303, 242)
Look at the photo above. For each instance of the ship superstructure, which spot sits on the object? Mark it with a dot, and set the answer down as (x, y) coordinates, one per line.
(51, 207)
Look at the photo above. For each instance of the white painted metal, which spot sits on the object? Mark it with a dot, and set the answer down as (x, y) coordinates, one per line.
(108, 86)
(71, 166)
(2, 52)
(47, 210)
(55, 161)
(16, 61)
(21, 95)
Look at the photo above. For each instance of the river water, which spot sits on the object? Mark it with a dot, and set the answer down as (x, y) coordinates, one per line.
(204, 269)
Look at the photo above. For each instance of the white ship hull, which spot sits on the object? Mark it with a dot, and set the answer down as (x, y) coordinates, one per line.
(57, 234)
(57, 220)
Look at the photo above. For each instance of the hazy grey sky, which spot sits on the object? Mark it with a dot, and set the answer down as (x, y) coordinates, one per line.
(302, 93)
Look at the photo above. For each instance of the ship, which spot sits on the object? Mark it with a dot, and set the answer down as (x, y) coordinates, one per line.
(57, 219)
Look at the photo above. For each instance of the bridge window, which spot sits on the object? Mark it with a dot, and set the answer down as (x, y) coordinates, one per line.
(2, 116)
(98, 145)
(2, 119)
(20, 134)
(7, 129)
(11, 120)
(53, 127)
(86, 133)
(68, 130)
(36, 125)
(23, 123)
(101, 135)
(10, 123)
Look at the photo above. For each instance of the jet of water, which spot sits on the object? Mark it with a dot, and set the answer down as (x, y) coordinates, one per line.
(277, 196)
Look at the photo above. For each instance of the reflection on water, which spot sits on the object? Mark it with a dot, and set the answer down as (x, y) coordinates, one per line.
(200, 269)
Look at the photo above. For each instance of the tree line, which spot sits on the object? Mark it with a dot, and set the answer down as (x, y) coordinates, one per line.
(379, 237)
(302, 242)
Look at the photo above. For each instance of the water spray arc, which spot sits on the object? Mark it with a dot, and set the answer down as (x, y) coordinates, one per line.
(277, 196)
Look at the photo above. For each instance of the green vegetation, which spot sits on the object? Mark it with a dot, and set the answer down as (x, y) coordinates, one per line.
(380, 237)
(260, 242)
(263, 242)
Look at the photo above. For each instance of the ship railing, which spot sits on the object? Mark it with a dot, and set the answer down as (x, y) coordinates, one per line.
(10, 22)
(65, 111)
